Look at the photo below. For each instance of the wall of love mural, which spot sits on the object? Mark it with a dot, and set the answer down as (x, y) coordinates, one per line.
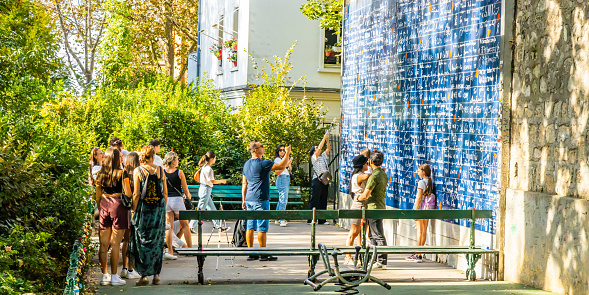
(420, 82)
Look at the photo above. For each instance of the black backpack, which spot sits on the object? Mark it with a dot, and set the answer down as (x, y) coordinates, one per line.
(239, 234)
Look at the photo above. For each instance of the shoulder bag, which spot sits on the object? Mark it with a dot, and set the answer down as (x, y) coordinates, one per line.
(325, 177)
(197, 175)
(187, 203)
(127, 201)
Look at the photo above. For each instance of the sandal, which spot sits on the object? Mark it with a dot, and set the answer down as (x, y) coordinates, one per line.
(142, 282)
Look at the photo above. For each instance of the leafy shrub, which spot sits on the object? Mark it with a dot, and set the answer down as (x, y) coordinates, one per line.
(271, 116)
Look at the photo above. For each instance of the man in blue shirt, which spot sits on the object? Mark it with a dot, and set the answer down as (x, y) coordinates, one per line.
(255, 192)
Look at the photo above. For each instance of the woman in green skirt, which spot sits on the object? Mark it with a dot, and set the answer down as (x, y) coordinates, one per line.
(149, 218)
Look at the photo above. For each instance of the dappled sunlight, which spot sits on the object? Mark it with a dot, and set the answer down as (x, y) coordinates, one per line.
(554, 21)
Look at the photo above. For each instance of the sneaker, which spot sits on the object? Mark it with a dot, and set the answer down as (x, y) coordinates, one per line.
(418, 259)
(192, 230)
(411, 258)
(123, 273)
(268, 258)
(105, 279)
(168, 256)
(325, 223)
(252, 257)
(283, 223)
(115, 280)
(132, 274)
(378, 265)
(277, 222)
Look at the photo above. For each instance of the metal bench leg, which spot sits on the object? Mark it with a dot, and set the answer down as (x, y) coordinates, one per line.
(201, 263)
(472, 262)
(312, 263)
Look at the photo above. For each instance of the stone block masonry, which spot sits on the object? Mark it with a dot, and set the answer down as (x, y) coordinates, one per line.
(547, 225)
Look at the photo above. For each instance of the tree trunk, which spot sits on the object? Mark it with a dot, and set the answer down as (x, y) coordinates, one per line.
(170, 36)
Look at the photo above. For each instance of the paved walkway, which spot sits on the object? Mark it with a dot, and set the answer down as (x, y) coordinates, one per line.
(286, 275)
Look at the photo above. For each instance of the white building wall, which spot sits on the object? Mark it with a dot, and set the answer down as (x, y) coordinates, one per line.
(211, 11)
(274, 26)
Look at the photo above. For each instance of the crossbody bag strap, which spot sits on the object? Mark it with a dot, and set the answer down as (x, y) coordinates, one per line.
(144, 190)
(170, 184)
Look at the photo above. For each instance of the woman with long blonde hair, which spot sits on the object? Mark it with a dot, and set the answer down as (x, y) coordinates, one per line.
(177, 191)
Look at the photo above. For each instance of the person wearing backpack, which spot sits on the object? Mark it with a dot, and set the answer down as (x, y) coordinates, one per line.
(149, 217)
(425, 200)
(177, 191)
(111, 183)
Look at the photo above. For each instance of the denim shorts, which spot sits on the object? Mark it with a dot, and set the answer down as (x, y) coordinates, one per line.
(261, 225)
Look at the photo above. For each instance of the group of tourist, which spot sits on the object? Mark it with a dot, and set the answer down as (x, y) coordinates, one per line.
(139, 197)
(368, 186)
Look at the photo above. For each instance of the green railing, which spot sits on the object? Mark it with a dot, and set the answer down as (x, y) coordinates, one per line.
(79, 257)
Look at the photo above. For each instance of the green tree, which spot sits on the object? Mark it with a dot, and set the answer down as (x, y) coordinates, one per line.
(28, 55)
(158, 32)
(271, 116)
(327, 12)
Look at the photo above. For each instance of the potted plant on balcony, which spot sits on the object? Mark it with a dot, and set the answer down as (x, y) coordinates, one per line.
(231, 44)
(329, 52)
(217, 50)
(233, 58)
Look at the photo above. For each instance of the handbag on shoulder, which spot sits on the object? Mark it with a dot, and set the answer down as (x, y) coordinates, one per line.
(197, 175)
(325, 177)
(187, 203)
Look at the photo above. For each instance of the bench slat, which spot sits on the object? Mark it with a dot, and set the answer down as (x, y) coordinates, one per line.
(238, 196)
(239, 202)
(415, 214)
(270, 214)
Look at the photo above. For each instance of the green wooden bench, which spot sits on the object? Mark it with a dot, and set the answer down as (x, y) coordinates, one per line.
(201, 253)
(472, 252)
(231, 194)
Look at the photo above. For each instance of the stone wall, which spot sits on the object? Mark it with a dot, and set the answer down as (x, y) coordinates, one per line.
(550, 98)
(546, 243)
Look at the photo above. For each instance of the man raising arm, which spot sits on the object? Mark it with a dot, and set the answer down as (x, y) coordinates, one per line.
(255, 193)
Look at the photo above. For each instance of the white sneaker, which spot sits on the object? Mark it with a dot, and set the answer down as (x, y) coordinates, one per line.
(132, 274)
(283, 223)
(378, 265)
(115, 280)
(105, 279)
(123, 273)
(277, 222)
(168, 256)
(325, 223)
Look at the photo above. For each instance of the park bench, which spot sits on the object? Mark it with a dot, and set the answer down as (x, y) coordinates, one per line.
(201, 253)
(231, 194)
(472, 252)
